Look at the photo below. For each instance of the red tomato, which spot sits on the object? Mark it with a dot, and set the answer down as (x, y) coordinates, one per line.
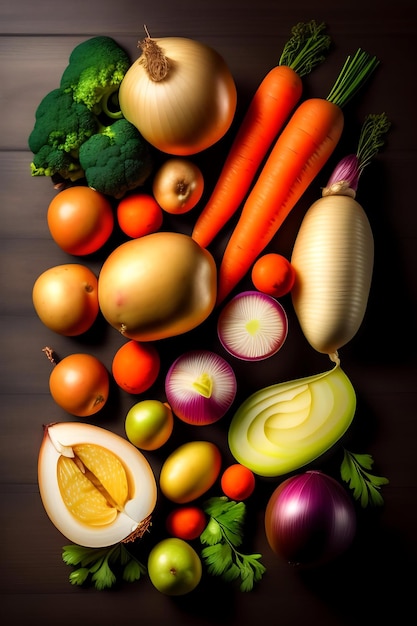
(186, 522)
(80, 220)
(273, 274)
(79, 384)
(237, 482)
(139, 215)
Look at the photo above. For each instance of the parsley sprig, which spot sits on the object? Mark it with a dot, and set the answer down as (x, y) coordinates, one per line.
(355, 470)
(221, 538)
(101, 565)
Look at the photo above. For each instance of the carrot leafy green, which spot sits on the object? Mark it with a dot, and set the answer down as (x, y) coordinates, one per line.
(355, 470)
(221, 538)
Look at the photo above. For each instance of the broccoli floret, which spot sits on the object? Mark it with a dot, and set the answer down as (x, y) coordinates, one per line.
(61, 126)
(77, 116)
(51, 162)
(116, 160)
(94, 73)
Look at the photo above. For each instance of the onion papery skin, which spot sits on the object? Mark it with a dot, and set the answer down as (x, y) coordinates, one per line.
(181, 387)
(269, 326)
(191, 108)
(58, 439)
(310, 519)
(333, 259)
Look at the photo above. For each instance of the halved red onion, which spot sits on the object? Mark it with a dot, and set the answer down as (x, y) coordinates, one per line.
(200, 387)
(252, 326)
(310, 519)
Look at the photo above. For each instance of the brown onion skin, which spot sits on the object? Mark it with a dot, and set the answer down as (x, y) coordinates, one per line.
(310, 519)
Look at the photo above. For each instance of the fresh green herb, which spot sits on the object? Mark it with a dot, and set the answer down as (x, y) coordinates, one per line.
(365, 485)
(222, 535)
(101, 564)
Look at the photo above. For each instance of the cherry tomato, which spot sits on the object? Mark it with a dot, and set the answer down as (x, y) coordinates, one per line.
(139, 215)
(135, 366)
(237, 482)
(273, 274)
(80, 220)
(187, 522)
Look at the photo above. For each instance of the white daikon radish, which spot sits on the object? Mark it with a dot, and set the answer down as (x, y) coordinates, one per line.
(333, 253)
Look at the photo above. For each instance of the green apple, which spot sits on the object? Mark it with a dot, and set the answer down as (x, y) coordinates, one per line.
(174, 567)
(149, 424)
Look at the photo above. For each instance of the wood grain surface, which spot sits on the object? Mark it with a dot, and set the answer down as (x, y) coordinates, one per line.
(375, 581)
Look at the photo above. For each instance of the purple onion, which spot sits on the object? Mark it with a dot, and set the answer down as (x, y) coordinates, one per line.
(200, 387)
(347, 170)
(310, 519)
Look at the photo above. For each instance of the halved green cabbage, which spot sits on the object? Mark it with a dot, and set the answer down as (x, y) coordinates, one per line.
(285, 426)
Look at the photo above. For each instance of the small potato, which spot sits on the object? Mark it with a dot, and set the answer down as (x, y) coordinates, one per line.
(190, 471)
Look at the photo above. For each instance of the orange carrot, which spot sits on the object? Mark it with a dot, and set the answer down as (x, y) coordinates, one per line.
(298, 155)
(273, 101)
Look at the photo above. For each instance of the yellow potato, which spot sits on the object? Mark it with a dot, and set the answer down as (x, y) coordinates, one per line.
(190, 471)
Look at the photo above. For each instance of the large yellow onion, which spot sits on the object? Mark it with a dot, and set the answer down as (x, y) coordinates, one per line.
(180, 95)
(96, 487)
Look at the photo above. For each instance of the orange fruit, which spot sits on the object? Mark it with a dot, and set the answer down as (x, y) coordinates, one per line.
(186, 523)
(80, 220)
(136, 366)
(79, 384)
(237, 482)
(273, 274)
(139, 215)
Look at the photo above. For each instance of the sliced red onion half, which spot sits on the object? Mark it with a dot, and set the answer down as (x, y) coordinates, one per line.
(252, 326)
(200, 387)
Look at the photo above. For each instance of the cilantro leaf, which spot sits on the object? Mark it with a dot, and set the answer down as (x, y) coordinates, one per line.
(222, 535)
(133, 570)
(365, 485)
(101, 565)
(212, 533)
(218, 558)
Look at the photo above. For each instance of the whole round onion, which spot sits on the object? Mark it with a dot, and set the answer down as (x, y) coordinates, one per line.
(310, 519)
(180, 94)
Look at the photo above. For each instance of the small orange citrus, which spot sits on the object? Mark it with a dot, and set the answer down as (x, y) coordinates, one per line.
(136, 366)
(237, 482)
(273, 274)
(139, 215)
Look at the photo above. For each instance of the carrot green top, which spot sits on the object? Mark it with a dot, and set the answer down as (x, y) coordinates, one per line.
(355, 71)
(306, 47)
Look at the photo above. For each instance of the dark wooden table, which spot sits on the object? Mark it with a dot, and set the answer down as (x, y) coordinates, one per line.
(373, 582)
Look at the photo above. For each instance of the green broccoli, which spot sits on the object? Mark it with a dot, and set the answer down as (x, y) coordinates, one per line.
(61, 126)
(75, 135)
(56, 164)
(94, 73)
(117, 159)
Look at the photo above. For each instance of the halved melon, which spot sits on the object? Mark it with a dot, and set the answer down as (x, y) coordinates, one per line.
(96, 487)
